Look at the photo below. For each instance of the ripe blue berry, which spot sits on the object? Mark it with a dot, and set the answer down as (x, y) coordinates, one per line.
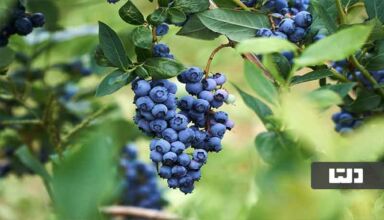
(159, 94)
(298, 35)
(179, 122)
(170, 135)
(112, 1)
(177, 147)
(159, 111)
(218, 130)
(145, 103)
(194, 88)
(179, 171)
(141, 87)
(221, 95)
(209, 84)
(281, 4)
(158, 125)
(194, 165)
(219, 78)
(303, 19)
(173, 183)
(169, 158)
(156, 157)
(193, 75)
(201, 105)
(165, 172)
(187, 135)
(162, 146)
(221, 117)
(206, 95)
(184, 160)
(38, 20)
(249, 3)
(162, 29)
(23, 26)
(185, 103)
(200, 156)
(264, 32)
(214, 144)
(287, 26)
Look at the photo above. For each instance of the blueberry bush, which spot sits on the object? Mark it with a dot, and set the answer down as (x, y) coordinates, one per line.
(79, 79)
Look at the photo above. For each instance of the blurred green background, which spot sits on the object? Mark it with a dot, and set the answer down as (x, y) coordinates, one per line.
(236, 183)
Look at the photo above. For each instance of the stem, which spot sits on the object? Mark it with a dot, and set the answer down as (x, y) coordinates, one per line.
(82, 125)
(342, 14)
(339, 76)
(212, 56)
(141, 213)
(241, 4)
(254, 59)
(22, 122)
(154, 36)
(367, 75)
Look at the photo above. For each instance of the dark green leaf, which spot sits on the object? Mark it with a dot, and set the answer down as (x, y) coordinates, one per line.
(142, 37)
(314, 75)
(325, 14)
(163, 68)
(141, 72)
(176, 16)
(270, 146)
(335, 47)
(236, 25)
(341, 89)
(191, 6)
(375, 9)
(112, 82)
(262, 46)
(376, 61)
(195, 29)
(7, 56)
(261, 109)
(112, 47)
(131, 14)
(259, 83)
(366, 101)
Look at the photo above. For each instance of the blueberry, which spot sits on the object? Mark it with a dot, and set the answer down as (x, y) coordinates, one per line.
(200, 136)
(206, 95)
(264, 32)
(303, 19)
(187, 135)
(194, 115)
(194, 165)
(179, 171)
(169, 158)
(23, 26)
(161, 50)
(229, 124)
(159, 94)
(158, 125)
(156, 157)
(194, 75)
(219, 78)
(209, 84)
(147, 115)
(38, 20)
(184, 159)
(130, 151)
(179, 122)
(319, 37)
(159, 111)
(173, 183)
(287, 26)
(214, 144)
(170, 135)
(218, 130)
(112, 1)
(185, 103)
(187, 190)
(152, 145)
(281, 4)
(3, 41)
(280, 35)
(162, 29)
(200, 156)
(221, 117)
(298, 35)
(194, 88)
(289, 55)
(216, 103)
(177, 147)
(186, 181)
(171, 102)
(195, 175)
(170, 114)
(165, 172)
(143, 125)
(221, 95)
(201, 105)
(141, 88)
(162, 146)
(145, 103)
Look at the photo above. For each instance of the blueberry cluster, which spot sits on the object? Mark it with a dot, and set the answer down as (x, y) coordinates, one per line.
(77, 67)
(21, 23)
(290, 23)
(112, 1)
(345, 121)
(140, 186)
(195, 125)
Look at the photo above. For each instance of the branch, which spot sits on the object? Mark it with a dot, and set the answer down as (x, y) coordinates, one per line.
(241, 4)
(214, 52)
(138, 212)
(340, 9)
(21, 122)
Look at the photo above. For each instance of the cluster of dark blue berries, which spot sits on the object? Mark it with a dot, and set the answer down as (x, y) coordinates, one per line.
(21, 23)
(345, 121)
(290, 23)
(140, 186)
(195, 125)
(112, 1)
(160, 49)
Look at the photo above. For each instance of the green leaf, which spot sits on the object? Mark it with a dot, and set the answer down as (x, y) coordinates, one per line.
(260, 84)
(84, 179)
(326, 16)
(163, 68)
(112, 82)
(191, 6)
(324, 98)
(195, 29)
(131, 14)
(142, 37)
(261, 109)
(375, 9)
(176, 16)
(262, 46)
(112, 47)
(7, 56)
(236, 25)
(335, 47)
(376, 61)
(314, 75)
(270, 146)
(158, 16)
(30, 161)
(341, 89)
(269, 61)
(141, 72)
(366, 101)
